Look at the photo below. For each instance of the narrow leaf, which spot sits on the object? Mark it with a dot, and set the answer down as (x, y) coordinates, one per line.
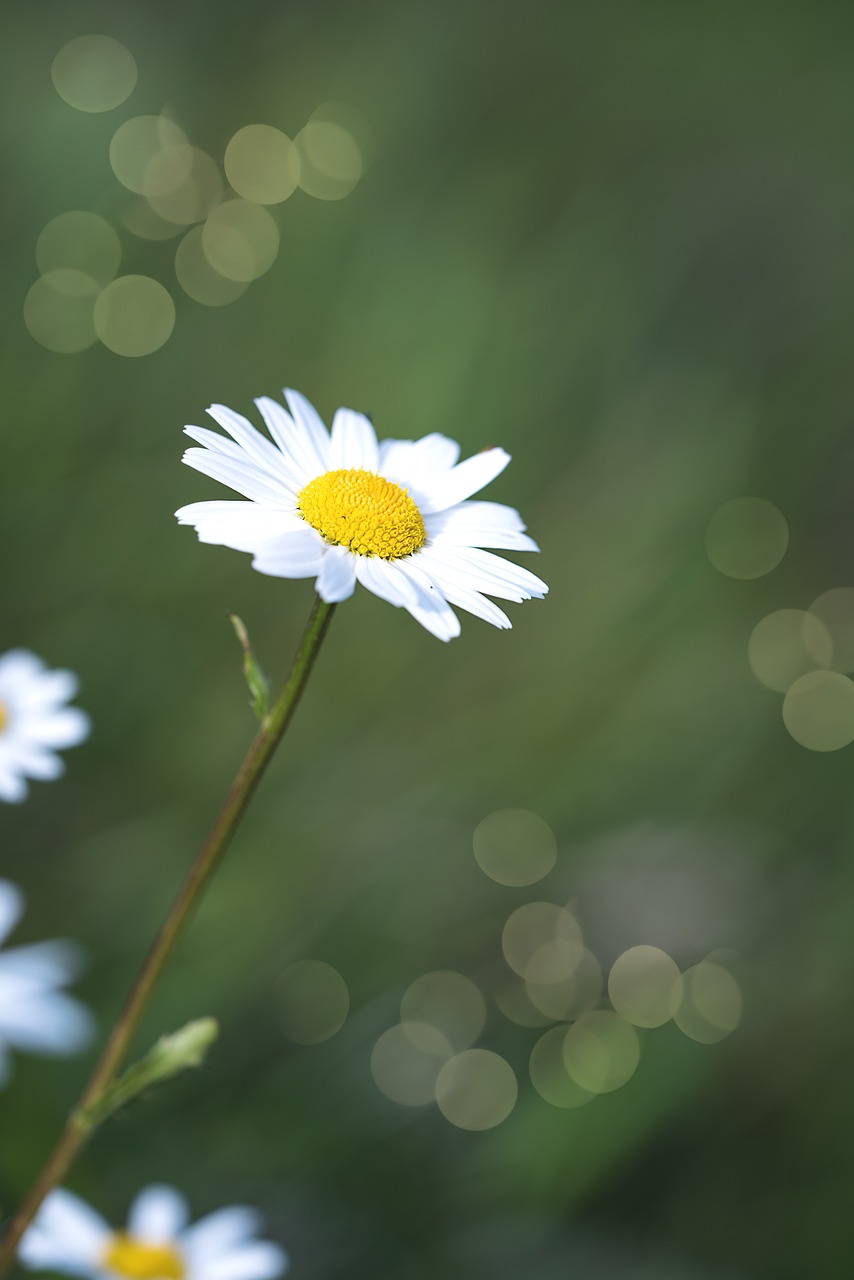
(171, 1055)
(259, 685)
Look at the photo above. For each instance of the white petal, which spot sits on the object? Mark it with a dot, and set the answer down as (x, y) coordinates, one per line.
(242, 475)
(354, 442)
(293, 555)
(386, 580)
(309, 420)
(243, 526)
(216, 442)
(499, 540)
(479, 524)
(19, 665)
(58, 729)
(46, 689)
(431, 609)
(249, 438)
(213, 1235)
(504, 571)
(13, 788)
(489, 515)
(40, 1252)
(258, 1261)
(438, 618)
(409, 461)
(46, 1022)
(474, 602)
(77, 1233)
(47, 964)
(445, 490)
(482, 571)
(276, 467)
(11, 907)
(337, 578)
(306, 453)
(35, 762)
(158, 1215)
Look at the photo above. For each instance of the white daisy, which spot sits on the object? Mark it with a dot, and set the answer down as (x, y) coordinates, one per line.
(35, 1015)
(34, 721)
(343, 507)
(157, 1244)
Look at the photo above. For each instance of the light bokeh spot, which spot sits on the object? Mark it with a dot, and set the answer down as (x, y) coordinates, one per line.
(262, 164)
(645, 986)
(818, 711)
(570, 996)
(549, 1075)
(448, 1001)
(59, 310)
(712, 1003)
(240, 240)
(514, 847)
(330, 157)
(405, 1063)
(601, 1051)
(198, 192)
(747, 537)
(313, 1001)
(134, 316)
(81, 241)
(476, 1089)
(835, 611)
(542, 942)
(513, 1000)
(141, 220)
(94, 73)
(197, 277)
(787, 644)
(151, 155)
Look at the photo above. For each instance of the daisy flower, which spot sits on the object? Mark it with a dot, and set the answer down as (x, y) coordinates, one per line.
(343, 508)
(34, 721)
(35, 1015)
(157, 1244)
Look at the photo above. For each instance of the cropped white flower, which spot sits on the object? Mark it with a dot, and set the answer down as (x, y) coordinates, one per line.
(343, 508)
(34, 721)
(35, 1015)
(157, 1243)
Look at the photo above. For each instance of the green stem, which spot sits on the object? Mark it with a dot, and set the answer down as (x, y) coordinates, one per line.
(260, 753)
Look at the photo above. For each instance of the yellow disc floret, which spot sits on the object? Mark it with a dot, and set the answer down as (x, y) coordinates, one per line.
(4, 717)
(138, 1261)
(365, 512)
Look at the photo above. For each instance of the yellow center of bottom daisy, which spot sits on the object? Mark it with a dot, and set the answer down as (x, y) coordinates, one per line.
(128, 1257)
(365, 512)
(4, 717)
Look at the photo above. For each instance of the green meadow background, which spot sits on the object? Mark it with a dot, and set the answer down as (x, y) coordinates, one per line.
(616, 239)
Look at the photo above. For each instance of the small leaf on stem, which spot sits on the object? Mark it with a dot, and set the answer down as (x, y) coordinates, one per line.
(171, 1055)
(259, 685)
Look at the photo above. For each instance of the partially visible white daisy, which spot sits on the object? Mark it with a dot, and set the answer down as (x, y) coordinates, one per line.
(35, 723)
(157, 1244)
(344, 508)
(35, 1014)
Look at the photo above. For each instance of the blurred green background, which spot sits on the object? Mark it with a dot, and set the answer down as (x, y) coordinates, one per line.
(617, 240)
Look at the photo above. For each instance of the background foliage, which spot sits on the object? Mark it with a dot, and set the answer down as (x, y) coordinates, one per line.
(616, 239)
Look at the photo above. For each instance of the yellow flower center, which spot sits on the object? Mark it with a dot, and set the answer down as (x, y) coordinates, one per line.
(128, 1257)
(4, 717)
(365, 512)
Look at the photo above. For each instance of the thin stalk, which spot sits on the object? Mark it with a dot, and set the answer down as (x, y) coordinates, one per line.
(270, 734)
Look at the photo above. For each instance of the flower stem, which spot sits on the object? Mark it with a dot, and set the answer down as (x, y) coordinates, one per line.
(248, 776)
